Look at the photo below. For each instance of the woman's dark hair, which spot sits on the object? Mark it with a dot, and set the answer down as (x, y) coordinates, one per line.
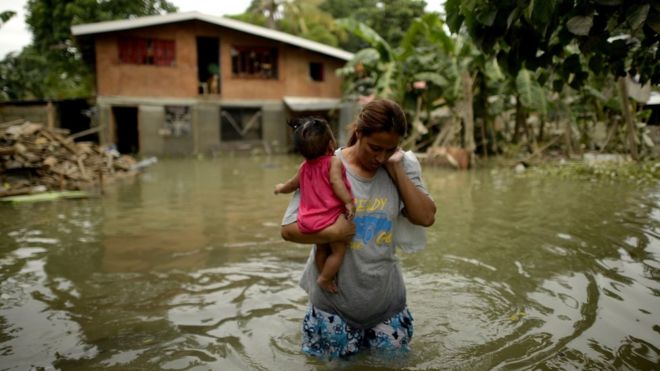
(380, 115)
(311, 136)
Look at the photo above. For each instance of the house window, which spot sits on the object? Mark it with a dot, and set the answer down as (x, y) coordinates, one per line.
(241, 124)
(140, 50)
(254, 62)
(316, 71)
(178, 121)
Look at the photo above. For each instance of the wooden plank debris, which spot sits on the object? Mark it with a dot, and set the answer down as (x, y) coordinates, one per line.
(33, 155)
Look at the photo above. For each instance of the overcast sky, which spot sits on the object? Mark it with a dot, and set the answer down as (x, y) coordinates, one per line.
(14, 35)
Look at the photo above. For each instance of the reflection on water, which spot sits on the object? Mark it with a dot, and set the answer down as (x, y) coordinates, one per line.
(184, 268)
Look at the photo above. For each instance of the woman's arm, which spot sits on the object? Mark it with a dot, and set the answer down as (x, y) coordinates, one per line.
(419, 207)
(342, 230)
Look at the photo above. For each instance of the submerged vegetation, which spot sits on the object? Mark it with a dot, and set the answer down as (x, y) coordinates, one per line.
(641, 172)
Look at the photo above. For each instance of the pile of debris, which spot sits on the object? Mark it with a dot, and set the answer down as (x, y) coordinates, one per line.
(35, 158)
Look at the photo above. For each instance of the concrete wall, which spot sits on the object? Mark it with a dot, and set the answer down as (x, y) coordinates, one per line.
(206, 128)
(106, 134)
(204, 137)
(37, 113)
(275, 133)
(150, 121)
(180, 80)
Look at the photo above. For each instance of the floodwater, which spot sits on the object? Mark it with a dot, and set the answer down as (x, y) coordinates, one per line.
(183, 269)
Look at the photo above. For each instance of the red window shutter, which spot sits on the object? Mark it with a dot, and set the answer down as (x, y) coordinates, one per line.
(163, 52)
(127, 50)
(172, 53)
(141, 51)
(158, 52)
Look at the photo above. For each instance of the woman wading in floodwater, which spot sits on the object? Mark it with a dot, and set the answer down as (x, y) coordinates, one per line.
(369, 310)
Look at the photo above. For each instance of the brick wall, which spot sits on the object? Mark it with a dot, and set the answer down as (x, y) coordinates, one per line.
(115, 79)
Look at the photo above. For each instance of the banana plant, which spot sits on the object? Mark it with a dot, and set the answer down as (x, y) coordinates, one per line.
(374, 69)
(427, 71)
(423, 56)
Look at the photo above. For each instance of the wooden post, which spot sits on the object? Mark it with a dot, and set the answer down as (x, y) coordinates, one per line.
(50, 109)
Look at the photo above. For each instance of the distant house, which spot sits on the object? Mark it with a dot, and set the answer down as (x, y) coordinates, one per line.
(187, 83)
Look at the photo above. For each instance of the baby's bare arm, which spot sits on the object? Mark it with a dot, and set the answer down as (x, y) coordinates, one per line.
(290, 185)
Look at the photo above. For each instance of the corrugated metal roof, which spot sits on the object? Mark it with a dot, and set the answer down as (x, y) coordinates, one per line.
(311, 103)
(127, 24)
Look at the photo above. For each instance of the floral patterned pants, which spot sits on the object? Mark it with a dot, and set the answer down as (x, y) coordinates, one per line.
(328, 336)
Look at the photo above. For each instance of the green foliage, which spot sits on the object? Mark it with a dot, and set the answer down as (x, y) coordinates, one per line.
(530, 92)
(644, 172)
(314, 19)
(297, 17)
(373, 70)
(6, 16)
(52, 67)
(426, 53)
(616, 37)
(388, 18)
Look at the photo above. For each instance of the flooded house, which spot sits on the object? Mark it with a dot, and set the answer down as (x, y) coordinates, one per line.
(191, 83)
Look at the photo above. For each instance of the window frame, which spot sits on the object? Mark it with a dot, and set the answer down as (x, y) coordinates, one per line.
(321, 71)
(147, 51)
(254, 62)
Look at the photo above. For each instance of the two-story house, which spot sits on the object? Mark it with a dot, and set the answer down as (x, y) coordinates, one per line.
(186, 83)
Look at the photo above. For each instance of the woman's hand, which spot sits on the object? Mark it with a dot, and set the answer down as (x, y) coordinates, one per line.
(393, 165)
(419, 208)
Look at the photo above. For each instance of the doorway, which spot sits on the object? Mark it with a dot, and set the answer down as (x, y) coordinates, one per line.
(127, 136)
(77, 116)
(208, 65)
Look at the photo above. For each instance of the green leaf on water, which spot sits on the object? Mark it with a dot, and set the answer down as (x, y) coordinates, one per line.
(580, 25)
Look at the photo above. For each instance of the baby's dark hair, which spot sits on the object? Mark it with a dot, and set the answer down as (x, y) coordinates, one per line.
(311, 136)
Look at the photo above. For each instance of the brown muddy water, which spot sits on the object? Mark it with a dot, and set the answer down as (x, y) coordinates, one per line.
(183, 269)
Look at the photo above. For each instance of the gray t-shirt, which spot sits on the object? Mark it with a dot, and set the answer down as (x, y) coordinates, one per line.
(370, 283)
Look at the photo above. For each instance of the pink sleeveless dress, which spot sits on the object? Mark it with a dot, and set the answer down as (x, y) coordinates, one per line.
(319, 206)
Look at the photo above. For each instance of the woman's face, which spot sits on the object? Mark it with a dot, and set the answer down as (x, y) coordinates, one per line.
(374, 150)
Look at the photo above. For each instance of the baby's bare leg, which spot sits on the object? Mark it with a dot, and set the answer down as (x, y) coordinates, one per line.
(331, 267)
(322, 253)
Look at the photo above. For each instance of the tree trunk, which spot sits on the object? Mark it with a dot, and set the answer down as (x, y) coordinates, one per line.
(521, 119)
(446, 134)
(468, 114)
(415, 133)
(625, 107)
(493, 134)
(272, 9)
(484, 141)
(567, 136)
(541, 128)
